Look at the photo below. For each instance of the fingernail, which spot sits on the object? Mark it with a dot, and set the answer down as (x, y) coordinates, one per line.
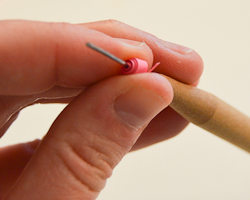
(138, 106)
(131, 42)
(175, 47)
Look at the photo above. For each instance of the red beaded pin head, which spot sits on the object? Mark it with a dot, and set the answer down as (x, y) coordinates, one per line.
(131, 66)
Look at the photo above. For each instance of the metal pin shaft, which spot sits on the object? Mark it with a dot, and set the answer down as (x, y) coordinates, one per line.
(102, 51)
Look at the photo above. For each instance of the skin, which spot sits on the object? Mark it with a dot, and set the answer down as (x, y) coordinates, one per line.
(106, 114)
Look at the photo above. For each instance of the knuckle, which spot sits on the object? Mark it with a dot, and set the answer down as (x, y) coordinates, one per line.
(112, 22)
(90, 162)
(88, 175)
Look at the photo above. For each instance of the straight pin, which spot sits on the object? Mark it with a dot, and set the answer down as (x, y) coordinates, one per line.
(109, 55)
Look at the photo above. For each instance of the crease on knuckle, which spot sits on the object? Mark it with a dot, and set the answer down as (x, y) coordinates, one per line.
(76, 175)
(87, 163)
(57, 29)
(56, 63)
(112, 23)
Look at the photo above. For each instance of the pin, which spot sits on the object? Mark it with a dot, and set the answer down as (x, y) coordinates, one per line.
(131, 66)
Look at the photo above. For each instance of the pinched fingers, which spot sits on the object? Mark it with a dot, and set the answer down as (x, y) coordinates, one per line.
(178, 62)
(50, 61)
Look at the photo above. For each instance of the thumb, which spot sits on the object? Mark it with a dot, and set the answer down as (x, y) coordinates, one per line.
(91, 136)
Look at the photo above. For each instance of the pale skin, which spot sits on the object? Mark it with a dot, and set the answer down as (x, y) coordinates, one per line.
(106, 114)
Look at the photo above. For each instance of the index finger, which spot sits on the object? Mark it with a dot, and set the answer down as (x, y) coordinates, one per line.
(36, 56)
(178, 62)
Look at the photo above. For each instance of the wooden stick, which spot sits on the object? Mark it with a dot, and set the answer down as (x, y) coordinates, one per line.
(212, 114)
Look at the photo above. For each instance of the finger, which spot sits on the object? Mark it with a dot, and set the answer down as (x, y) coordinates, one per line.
(36, 56)
(10, 105)
(91, 136)
(13, 160)
(4, 127)
(178, 62)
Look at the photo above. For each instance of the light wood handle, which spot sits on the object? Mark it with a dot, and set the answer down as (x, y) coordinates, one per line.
(212, 114)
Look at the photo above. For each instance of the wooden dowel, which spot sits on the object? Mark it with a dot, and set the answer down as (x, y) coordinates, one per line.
(212, 114)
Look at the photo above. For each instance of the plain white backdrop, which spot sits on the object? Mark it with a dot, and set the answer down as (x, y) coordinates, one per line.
(194, 165)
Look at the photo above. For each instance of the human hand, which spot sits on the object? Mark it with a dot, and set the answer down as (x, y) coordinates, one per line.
(178, 62)
(96, 129)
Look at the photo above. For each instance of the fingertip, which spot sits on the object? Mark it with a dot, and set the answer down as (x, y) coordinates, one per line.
(186, 68)
(32, 146)
(163, 87)
(146, 98)
(143, 51)
(196, 67)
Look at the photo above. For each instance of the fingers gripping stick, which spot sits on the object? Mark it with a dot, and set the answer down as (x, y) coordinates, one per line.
(131, 66)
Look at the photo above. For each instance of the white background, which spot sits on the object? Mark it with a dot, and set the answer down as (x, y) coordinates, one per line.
(194, 165)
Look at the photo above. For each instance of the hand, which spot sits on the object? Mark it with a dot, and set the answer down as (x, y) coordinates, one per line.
(178, 62)
(49, 63)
